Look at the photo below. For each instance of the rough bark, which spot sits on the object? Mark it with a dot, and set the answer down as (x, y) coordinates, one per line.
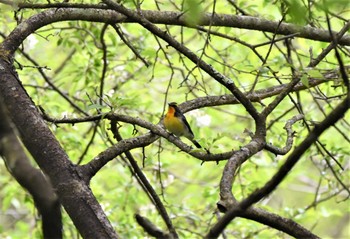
(30, 178)
(73, 192)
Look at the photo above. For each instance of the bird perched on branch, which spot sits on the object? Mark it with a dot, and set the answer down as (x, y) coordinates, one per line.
(176, 123)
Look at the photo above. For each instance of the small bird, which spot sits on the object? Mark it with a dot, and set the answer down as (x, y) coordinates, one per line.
(176, 123)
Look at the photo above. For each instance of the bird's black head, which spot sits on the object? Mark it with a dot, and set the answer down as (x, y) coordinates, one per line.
(173, 106)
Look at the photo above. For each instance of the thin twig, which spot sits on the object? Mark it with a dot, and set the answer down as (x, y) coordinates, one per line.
(127, 42)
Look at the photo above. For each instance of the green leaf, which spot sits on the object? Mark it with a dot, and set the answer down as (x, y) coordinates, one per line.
(95, 106)
(332, 6)
(193, 12)
(305, 80)
(314, 73)
(296, 11)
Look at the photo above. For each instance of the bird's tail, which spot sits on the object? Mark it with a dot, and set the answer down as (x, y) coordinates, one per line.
(196, 143)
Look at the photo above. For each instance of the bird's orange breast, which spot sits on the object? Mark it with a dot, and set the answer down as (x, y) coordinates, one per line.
(173, 124)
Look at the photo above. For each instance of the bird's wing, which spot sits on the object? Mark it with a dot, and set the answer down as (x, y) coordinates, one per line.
(183, 118)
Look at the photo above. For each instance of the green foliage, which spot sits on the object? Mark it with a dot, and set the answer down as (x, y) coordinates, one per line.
(296, 11)
(188, 189)
(193, 11)
(331, 6)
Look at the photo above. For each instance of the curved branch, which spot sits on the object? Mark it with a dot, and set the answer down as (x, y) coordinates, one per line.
(91, 168)
(224, 20)
(97, 13)
(270, 219)
(293, 158)
(275, 221)
(228, 201)
(150, 228)
(289, 141)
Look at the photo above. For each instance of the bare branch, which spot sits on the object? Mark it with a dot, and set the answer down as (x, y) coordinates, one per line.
(51, 158)
(280, 97)
(150, 228)
(52, 85)
(332, 45)
(275, 221)
(178, 18)
(127, 42)
(151, 192)
(30, 178)
(289, 141)
(225, 81)
(292, 159)
(255, 96)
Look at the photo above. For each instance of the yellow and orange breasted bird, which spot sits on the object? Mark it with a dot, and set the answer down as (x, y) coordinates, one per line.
(176, 123)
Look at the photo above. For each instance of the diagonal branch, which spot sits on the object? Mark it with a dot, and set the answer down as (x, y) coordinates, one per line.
(255, 96)
(30, 178)
(127, 42)
(51, 157)
(150, 191)
(280, 97)
(49, 81)
(150, 228)
(272, 220)
(293, 158)
(332, 45)
(223, 80)
(90, 169)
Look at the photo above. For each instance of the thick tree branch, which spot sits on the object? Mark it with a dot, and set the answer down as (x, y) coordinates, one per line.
(150, 228)
(225, 20)
(52, 159)
(98, 14)
(292, 159)
(272, 220)
(228, 201)
(91, 168)
(239, 157)
(30, 178)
